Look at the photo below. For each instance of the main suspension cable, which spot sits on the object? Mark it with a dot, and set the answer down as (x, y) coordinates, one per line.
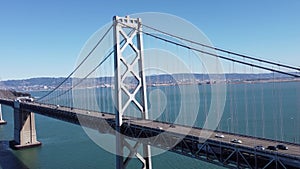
(216, 55)
(223, 50)
(81, 63)
(81, 80)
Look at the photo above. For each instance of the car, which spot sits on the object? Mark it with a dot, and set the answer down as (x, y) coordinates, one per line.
(259, 147)
(158, 127)
(25, 99)
(219, 135)
(272, 148)
(172, 126)
(236, 141)
(282, 147)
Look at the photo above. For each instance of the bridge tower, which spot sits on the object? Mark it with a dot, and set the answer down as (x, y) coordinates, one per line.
(1, 117)
(134, 40)
(24, 128)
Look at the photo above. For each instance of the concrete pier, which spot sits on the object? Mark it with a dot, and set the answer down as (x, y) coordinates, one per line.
(24, 129)
(1, 117)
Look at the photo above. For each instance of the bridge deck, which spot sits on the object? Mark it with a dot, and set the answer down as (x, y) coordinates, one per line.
(248, 141)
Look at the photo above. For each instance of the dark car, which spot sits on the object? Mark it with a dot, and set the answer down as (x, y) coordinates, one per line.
(272, 148)
(282, 147)
(172, 125)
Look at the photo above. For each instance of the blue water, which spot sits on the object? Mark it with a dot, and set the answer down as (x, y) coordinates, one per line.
(269, 110)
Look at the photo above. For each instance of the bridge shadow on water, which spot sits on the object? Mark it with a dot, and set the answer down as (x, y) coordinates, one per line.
(8, 160)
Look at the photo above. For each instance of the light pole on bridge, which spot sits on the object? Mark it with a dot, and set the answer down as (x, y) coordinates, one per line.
(229, 118)
(1, 118)
(293, 128)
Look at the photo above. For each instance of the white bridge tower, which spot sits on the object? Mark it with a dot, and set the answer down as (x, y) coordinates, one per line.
(123, 69)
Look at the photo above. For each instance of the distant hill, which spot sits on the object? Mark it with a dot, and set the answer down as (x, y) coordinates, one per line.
(45, 83)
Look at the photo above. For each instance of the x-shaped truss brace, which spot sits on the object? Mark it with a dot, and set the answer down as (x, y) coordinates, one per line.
(121, 23)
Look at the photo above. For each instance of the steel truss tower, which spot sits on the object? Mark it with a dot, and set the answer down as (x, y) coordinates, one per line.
(128, 34)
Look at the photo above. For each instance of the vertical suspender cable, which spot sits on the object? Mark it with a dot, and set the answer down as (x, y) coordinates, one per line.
(262, 106)
(274, 113)
(280, 107)
(246, 104)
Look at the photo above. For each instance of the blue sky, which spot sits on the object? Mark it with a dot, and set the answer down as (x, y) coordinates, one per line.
(44, 38)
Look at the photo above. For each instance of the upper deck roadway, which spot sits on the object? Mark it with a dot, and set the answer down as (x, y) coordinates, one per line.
(179, 139)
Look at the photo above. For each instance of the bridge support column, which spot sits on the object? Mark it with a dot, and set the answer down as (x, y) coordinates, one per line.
(1, 117)
(133, 70)
(24, 129)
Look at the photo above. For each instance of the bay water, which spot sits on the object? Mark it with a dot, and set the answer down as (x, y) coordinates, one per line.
(267, 110)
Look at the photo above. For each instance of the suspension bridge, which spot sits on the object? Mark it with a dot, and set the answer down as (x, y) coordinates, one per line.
(115, 95)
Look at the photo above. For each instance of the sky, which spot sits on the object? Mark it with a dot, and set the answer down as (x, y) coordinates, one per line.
(44, 38)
